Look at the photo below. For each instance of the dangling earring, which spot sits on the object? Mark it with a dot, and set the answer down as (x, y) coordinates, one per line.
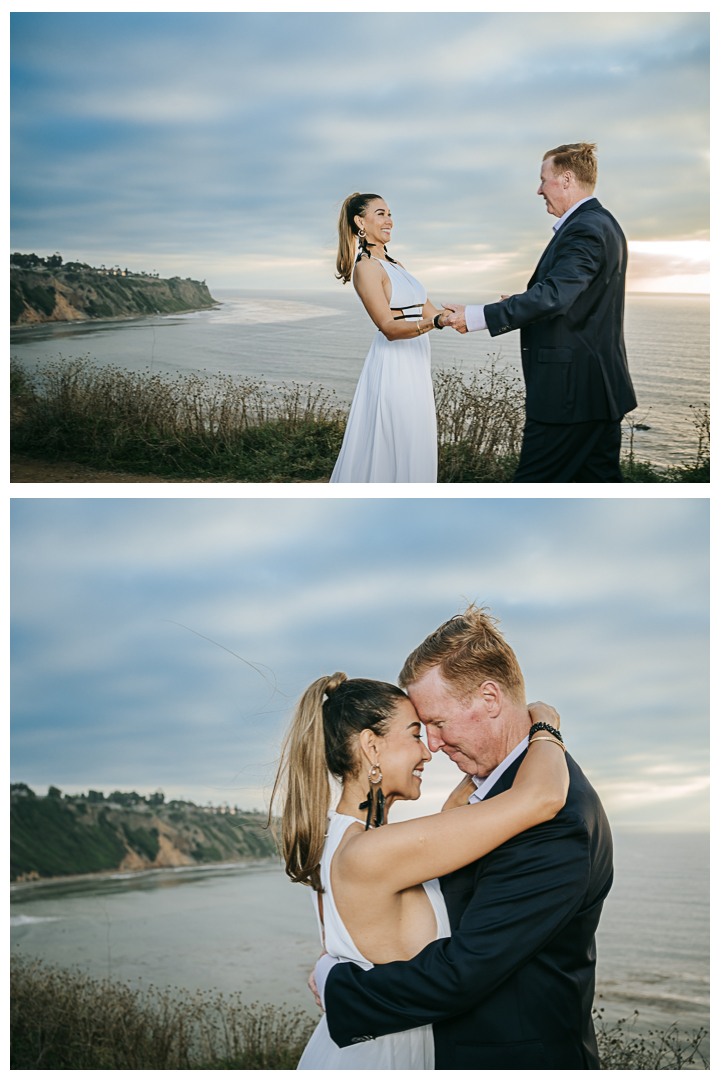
(375, 802)
(361, 232)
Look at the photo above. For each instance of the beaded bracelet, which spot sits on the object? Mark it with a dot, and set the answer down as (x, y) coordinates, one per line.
(542, 726)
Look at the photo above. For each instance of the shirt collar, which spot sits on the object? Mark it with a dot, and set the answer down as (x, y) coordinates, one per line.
(561, 221)
(483, 784)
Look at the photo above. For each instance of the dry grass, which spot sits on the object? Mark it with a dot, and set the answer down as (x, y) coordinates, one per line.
(64, 1019)
(217, 427)
(480, 423)
(197, 425)
(243, 428)
(621, 1047)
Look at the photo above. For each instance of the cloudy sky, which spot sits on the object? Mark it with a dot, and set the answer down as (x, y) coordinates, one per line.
(220, 146)
(116, 684)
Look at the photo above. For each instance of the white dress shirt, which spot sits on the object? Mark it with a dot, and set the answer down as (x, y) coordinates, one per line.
(483, 786)
(475, 313)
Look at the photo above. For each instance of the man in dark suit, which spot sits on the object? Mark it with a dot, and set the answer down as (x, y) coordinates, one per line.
(513, 987)
(578, 386)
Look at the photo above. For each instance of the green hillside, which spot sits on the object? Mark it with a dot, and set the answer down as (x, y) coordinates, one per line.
(44, 293)
(52, 836)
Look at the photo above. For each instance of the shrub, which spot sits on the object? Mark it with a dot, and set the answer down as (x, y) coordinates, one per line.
(621, 1047)
(46, 839)
(196, 425)
(480, 424)
(692, 472)
(242, 429)
(64, 1019)
(40, 296)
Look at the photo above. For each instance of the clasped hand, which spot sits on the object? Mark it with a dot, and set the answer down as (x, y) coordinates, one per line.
(456, 315)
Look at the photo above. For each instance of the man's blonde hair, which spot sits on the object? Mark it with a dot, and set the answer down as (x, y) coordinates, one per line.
(577, 158)
(468, 649)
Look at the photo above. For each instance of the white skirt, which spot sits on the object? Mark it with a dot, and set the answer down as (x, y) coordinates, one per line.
(391, 434)
(414, 1049)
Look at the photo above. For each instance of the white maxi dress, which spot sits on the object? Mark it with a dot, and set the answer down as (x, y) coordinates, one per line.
(391, 434)
(412, 1049)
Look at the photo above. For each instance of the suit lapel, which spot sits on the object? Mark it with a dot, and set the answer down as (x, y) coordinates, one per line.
(536, 271)
(458, 887)
(585, 206)
(505, 782)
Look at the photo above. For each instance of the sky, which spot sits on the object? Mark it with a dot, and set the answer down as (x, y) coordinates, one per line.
(161, 643)
(220, 146)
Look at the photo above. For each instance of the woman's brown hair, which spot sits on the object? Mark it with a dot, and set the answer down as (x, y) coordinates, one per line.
(322, 741)
(354, 206)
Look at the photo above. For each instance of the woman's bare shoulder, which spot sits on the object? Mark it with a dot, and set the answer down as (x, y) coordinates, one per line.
(367, 269)
(347, 852)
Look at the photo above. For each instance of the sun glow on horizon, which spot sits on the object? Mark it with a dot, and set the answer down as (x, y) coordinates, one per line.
(669, 266)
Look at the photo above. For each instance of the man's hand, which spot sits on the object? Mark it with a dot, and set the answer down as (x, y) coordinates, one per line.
(313, 987)
(461, 794)
(457, 319)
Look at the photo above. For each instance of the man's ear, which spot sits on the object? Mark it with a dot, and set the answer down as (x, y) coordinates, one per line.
(492, 697)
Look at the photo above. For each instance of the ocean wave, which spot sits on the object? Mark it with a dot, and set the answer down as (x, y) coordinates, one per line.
(24, 920)
(649, 998)
(267, 311)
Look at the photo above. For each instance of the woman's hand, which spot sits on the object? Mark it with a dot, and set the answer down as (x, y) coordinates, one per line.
(460, 795)
(430, 311)
(541, 713)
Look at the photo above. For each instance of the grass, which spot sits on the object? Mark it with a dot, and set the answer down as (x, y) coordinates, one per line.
(196, 426)
(621, 1047)
(216, 427)
(64, 1019)
(480, 422)
(696, 471)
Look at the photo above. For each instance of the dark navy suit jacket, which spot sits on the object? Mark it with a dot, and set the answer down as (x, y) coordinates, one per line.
(571, 323)
(513, 987)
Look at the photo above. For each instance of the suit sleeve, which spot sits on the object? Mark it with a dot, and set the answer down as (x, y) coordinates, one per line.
(581, 260)
(528, 890)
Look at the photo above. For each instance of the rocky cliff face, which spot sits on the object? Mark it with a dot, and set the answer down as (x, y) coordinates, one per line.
(52, 837)
(61, 295)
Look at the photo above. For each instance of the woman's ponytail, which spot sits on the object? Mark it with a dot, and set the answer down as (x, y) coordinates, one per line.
(322, 742)
(303, 775)
(354, 206)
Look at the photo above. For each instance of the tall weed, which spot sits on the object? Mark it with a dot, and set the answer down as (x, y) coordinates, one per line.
(64, 1019)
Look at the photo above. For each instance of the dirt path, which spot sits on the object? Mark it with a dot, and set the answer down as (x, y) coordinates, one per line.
(24, 470)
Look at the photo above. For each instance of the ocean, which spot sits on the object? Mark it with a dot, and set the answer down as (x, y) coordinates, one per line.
(323, 337)
(247, 927)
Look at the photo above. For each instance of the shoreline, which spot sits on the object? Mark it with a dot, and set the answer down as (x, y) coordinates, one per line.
(112, 318)
(117, 874)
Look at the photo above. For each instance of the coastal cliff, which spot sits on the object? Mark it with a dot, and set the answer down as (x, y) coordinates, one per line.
(62, 294)
(52, 836)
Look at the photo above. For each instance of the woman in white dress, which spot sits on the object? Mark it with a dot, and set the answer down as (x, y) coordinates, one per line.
(391, 434)
(372, 895)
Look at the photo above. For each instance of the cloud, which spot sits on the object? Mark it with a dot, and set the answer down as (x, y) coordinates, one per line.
(604, 601)
(669, 266)
(233, 137)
